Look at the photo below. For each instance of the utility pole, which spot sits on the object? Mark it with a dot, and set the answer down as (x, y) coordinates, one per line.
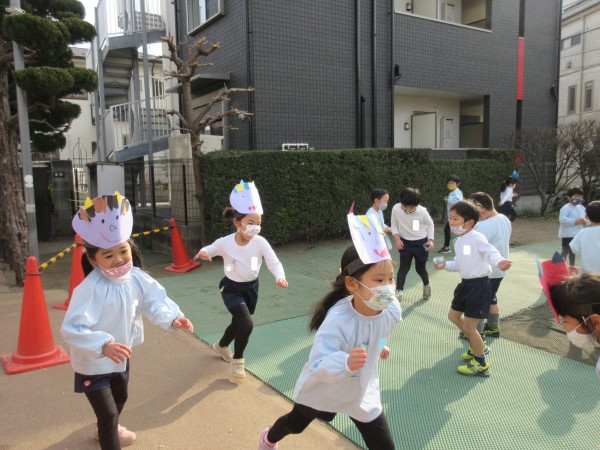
(25, 140)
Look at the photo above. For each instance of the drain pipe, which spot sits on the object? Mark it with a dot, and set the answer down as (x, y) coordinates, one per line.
(392, 75)
(374, 78)
(249, 79)
(359, 105)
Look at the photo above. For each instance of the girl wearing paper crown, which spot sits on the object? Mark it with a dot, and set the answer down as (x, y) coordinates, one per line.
(352, 323)
(575, 302)
(242, 253)
(104, 319)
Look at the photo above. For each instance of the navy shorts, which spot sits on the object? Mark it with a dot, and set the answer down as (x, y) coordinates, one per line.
(92, 383)
(416, 249)
(235, 293)
(495, 282)
(472, 297)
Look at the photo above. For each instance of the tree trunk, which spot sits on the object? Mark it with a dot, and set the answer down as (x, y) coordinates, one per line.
(13, 220)
(199, 183)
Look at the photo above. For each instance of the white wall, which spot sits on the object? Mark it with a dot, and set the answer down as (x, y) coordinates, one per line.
(81, 131)
(405, 106)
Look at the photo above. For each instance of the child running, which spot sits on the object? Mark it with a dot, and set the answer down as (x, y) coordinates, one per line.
(352, 323)
(454, 196)
(474, 259)
(104, 319)
(572, 220)
(242, 253)
(507, 194)
(412, 228)
(496, 228)
(379, 203)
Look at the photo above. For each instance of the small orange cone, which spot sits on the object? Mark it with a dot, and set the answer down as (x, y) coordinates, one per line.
(181, 260)
(36, 348)
(77, 275)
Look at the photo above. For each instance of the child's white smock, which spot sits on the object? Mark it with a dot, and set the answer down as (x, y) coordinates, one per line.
(104, 310)
(569, 213)
(326, 384)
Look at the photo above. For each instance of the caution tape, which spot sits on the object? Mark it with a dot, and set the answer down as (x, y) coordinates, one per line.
(69, 249)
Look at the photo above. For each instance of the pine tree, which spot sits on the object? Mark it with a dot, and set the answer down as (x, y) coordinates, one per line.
(45, 29)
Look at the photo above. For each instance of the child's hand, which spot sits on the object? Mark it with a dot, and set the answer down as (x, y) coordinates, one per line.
(203, 255)
(116, 352)
(387, 230)
(281, 283)
(504, 265)
(385, 353)
(399, 244)
(357, 359)
(183, 322)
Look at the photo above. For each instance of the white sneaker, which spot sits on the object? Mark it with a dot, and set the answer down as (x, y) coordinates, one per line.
(264, 443)
(224, 352)
(427, 291)
(237, 368)
(399, 295)
(126, 437)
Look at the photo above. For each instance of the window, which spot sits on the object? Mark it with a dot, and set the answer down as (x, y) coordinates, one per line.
(200, 12)
(570, 41)
(571, 99)
(588, 98)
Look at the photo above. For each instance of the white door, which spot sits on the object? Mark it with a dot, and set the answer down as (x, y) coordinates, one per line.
(423, 130)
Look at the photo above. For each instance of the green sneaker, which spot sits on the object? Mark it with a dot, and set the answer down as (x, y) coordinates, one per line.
(469, 353)
(491, 331)
(473, 368)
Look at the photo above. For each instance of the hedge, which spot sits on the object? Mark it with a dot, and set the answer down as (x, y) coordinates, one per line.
(306, 194)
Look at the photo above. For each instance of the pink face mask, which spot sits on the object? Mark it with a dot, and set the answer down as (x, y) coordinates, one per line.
(117, 272)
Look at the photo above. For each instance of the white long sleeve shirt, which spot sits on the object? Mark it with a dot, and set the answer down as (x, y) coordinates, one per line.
(104, 310)
(413, 226)
(497, 230)
(325, 383)
(506, 196)
(567, 216)
(586, 244)
(475, 256)
(242, 263)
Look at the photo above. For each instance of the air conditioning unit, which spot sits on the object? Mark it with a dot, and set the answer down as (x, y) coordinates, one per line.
(288, 146)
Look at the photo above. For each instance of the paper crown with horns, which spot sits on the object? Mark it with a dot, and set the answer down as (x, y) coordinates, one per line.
(551, 273)
(245, 199)
(368, 238)
(105, 221)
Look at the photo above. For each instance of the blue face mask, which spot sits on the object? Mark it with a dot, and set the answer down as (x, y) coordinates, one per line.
(383, 207)
(577, 201)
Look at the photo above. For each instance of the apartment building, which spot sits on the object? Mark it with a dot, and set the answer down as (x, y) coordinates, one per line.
(423, 73)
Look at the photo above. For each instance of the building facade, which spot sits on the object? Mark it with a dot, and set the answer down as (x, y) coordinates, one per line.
(580, 62)
(380, 73)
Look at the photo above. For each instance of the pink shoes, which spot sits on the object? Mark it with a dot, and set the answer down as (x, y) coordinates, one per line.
(126, 437)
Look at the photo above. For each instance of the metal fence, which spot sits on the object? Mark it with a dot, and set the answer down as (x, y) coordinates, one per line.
(171, 195)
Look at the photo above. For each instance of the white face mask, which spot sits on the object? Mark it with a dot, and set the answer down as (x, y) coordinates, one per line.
(381, 296)
(251, 230)
(459, 230)
(581, 340)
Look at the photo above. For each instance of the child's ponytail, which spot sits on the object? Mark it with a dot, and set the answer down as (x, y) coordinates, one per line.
(350, 266)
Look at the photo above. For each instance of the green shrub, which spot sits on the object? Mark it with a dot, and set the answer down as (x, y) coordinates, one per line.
(306, 194)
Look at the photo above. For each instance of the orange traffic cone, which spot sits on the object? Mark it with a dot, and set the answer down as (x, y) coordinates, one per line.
(181, 260)
(77, 275)
(36, 348)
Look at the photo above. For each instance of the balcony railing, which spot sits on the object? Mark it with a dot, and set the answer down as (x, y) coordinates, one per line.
(126, 124)
(118, 17)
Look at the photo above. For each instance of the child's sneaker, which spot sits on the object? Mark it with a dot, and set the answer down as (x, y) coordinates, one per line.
(473, 368)
(399, 295)
(126, 437)
(237, 368)
(427, 291)
(469, 353)
(491, 331)
(264, 443)
(445, 250)
(224, 352)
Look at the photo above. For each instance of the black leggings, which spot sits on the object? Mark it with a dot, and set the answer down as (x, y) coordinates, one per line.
(239, 330)
(447, 235)
(405, 263)
(376, 434)
(108, 404)
(566, 250)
